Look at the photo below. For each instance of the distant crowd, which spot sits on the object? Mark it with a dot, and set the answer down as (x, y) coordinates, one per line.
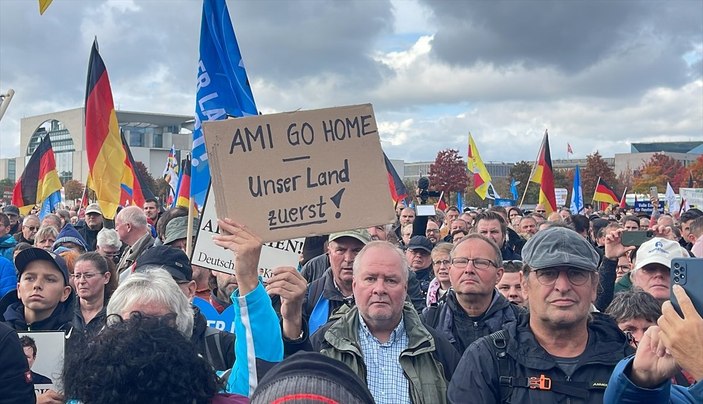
(464, 306)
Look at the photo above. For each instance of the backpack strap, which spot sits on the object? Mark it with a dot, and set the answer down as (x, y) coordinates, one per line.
(213, 348)
(499, 345)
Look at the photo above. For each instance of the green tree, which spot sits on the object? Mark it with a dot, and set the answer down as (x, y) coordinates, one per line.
(448, 173)
(596, 167)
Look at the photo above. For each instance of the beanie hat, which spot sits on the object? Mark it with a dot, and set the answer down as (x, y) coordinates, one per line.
(310, 377)
(69, 234)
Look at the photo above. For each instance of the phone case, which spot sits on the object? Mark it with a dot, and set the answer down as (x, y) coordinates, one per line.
(688, 272)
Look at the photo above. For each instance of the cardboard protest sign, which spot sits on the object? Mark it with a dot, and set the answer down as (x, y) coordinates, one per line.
(46, 361)
(560, 195)
(301, 173)
(208, 255)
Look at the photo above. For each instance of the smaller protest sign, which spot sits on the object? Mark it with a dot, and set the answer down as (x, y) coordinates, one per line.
(209, 255)
(45, 352)
(646, 207)
(560, 194)
(505, 202)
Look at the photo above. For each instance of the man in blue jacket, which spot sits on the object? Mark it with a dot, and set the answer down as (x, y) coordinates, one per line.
(676, 343)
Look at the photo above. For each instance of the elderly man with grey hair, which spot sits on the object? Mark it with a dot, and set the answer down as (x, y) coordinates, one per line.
(560, 350)
(109, 245)
(133, 230)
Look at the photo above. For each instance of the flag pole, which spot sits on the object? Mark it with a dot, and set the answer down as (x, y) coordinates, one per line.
(189, 232)
(593, 200)
(529, 179)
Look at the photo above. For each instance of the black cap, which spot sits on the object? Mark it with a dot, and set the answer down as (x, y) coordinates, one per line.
(420, 243)
(11, 209)
(173, 260)
(35, 254)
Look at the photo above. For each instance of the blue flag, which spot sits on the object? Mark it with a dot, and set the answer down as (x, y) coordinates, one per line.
(460, 201)
(222, 87)
(513, 188)
(50, 204)
(576, 194)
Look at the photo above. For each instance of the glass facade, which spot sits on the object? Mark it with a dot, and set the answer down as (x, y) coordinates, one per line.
(62, 144)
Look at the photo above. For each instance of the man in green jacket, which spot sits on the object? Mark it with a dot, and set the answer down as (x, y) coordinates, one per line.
(382, 338)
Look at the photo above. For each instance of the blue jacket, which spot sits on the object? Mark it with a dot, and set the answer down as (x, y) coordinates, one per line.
(258, 337)
(622, 390)
(7, 246)
(8, 276)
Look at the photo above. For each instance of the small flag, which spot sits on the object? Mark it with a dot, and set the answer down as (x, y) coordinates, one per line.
(39, 180)
(398, 189)
(623, 204)
(670, 197)
(183, 195)
(43, 5)
(441, 205)
(460, 201)
(170, 175)
(576, 194)
(513, 188)
(480, 175)
(568, 149)
(604, 193)
(223, 88)
(134, 188)
(544, 176)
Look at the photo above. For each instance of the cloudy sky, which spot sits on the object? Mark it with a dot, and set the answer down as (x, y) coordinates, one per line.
(598, 74)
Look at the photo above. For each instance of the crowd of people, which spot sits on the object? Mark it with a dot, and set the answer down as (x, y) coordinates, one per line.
(465, 306)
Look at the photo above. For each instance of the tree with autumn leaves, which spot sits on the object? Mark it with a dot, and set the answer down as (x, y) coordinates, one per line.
(448, 173)
(659, 170)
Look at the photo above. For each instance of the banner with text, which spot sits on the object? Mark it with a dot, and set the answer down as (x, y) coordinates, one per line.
(208, 255)
(693, 196)
(300, 173)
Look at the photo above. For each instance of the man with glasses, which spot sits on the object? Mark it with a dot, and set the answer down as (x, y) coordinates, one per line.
(560, 351)
(432, 232)
(30, 225)
(473, 307)
(420, 261)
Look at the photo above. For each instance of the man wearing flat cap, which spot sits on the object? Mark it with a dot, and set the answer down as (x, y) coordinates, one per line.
(560, 351)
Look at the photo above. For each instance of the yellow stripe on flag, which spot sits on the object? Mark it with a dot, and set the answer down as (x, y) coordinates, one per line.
(43, 5)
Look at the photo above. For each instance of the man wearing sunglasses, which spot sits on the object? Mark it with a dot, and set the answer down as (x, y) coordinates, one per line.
(560, 351)
(30, 225)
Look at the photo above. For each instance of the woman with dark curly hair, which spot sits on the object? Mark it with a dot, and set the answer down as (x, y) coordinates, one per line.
(139, 360)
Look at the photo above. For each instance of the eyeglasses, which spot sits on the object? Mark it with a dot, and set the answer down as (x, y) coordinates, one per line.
(111, 254)
(623, 268)
(478, 263)
(549, 276)
(540, 211)
(439, 263)
(31, 228)
(87, 276)
(432, 231)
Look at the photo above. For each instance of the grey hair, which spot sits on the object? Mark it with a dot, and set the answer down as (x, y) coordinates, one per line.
(30, 217)
(133, 215)
(387, 246)
(109, 237)
(476, 236)
(55, 219)
(153, 287)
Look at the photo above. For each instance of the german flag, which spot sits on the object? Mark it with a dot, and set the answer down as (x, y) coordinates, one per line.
(134, 190)
(604, 193)
(544, 176)
(183, 193)
(39, 179)
(106, 155)
(398, 189)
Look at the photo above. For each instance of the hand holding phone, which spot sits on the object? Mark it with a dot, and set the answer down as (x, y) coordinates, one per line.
(688, 273)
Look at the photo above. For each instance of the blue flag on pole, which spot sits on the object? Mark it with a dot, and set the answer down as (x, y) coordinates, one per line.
(460, 201)
(50, 204)
(513, 188)
(576, 194)
(222, 87)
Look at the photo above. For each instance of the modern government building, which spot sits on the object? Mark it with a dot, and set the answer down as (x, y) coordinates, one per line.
(151, 136)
